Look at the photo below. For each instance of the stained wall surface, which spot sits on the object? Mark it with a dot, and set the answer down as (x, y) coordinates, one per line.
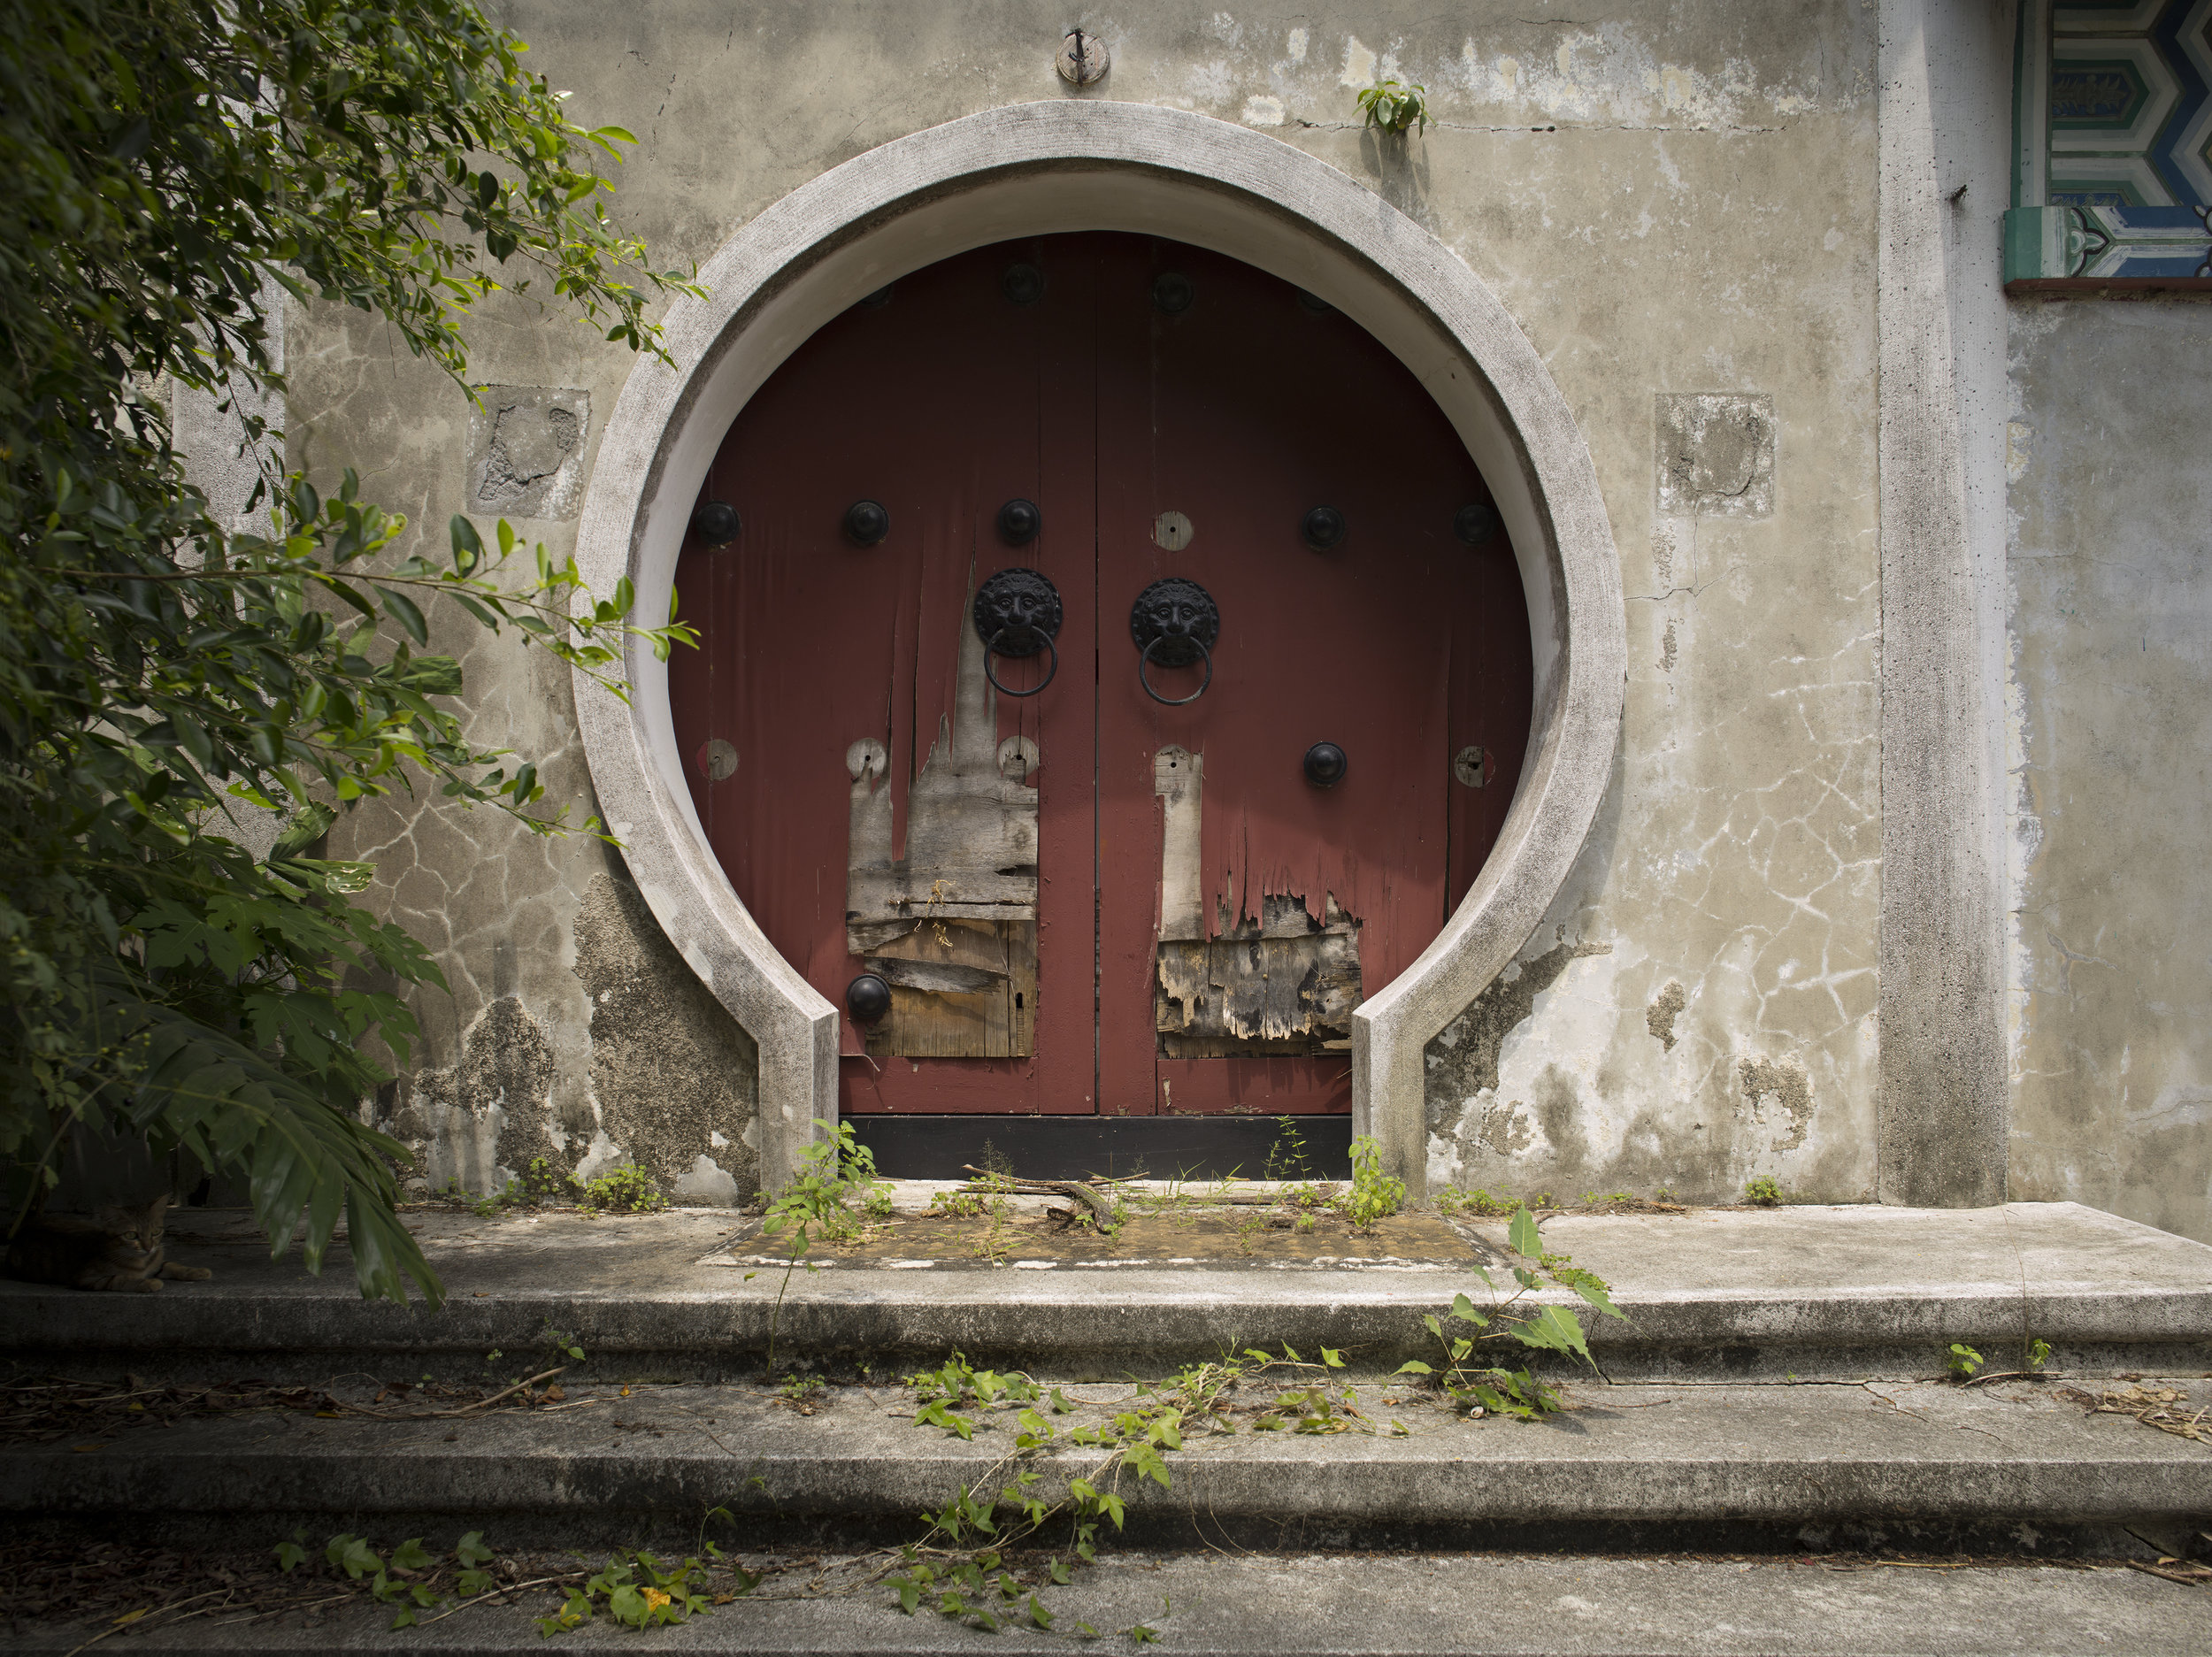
(2110, 554)
(1678, 205)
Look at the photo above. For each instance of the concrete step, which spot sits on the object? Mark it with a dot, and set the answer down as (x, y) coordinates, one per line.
(2007, 1466)
(1817, 1292)
(1214, 1604)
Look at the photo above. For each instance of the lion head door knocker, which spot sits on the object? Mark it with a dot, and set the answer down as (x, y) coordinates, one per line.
(1175, 623)
(1017, 614)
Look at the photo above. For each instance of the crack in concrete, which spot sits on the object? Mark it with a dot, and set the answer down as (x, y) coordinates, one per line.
(1726, 127)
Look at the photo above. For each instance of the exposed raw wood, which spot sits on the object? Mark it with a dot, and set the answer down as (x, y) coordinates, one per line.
(960, 989)
(1256, 995)
(1179, 778)
(952, 926)
(971, 830)
(1281, 982)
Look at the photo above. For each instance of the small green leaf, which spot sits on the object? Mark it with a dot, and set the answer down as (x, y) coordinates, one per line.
(409, 1555)
(1554, 1330)
(1522, 1235)
(1596, 1295)
(404, 611)
(468, 546)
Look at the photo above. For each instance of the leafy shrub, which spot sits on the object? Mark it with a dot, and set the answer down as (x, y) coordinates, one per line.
(1393, 107)
(625, 1189)
(1374, 1195)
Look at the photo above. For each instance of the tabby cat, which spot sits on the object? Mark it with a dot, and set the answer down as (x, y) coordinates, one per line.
(118, 1249)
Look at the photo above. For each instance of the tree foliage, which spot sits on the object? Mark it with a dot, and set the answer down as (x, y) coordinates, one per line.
(174, 167)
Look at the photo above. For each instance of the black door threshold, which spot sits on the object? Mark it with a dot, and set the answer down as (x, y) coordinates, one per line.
(1074, 1147)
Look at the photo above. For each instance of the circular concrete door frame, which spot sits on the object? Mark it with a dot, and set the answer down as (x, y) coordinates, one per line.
(1041, 169)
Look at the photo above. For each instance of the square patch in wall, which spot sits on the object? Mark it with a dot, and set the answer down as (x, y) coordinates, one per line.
(1715, 454)
(527, 450)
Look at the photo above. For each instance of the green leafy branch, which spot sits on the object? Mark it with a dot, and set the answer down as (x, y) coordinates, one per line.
(176, 171)
(407, 1579)
(837, 1175)
(959, 1566)
(1374, 1195)
(636, 1591)
(1490, 1387)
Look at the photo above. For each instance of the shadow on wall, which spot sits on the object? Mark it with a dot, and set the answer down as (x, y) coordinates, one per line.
(675, 1080)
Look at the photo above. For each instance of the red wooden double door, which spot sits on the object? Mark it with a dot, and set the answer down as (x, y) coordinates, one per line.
(1124, 894)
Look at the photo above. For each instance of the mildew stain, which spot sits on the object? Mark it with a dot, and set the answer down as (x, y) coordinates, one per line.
(1790, 1090)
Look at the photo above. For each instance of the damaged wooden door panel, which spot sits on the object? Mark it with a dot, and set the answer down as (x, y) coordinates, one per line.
(840, 676)
(1089, 900)
(951, 927)
(1233, 417)
(1283, 985)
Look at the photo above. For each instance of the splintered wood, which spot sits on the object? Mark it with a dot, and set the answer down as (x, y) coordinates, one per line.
(1285, 983)
(959, 990)
(951, 927)
(1255, 996)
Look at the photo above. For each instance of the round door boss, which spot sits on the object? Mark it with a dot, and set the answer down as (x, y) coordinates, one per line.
(1325, 764)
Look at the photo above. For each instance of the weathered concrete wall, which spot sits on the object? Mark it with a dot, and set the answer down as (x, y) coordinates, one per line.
(1699, 1009)
(2110, 558)
(573, 1031)
(1679, 206)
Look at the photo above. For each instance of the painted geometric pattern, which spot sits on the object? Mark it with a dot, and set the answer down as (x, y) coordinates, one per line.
(2115, 104)
(2106, 243)
(2131, 104)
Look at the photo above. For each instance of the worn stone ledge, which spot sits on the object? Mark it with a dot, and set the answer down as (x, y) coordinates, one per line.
(1810, 1454)
(1819, 1292)
(1371, 1606)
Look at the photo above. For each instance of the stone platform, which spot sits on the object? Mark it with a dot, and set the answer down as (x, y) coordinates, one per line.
(1813, 1293)
(1215, 1604)
(1775, 1391)
(1640, 1467)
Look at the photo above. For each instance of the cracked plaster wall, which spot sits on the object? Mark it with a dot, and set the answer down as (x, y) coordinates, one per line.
(2109, 558)
(1673, 200)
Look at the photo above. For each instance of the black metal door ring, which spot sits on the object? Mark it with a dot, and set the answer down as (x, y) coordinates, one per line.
(990, 649)
(1174, 702)
(1174, 622)
(1016, 614)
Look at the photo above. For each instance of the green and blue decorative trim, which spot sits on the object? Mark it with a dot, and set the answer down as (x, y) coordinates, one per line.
(2105, 244)
(2112, 124)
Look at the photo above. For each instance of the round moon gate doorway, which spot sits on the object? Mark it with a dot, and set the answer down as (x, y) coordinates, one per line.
(1117, 671)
